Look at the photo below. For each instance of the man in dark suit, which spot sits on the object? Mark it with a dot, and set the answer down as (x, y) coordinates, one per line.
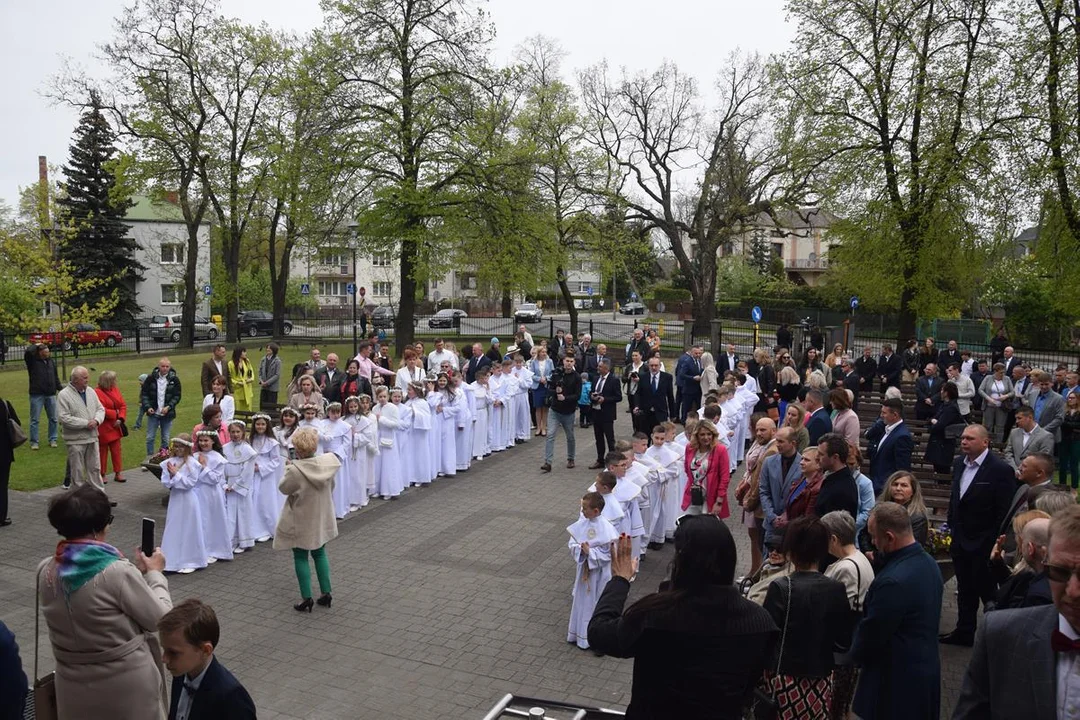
(727, 362)
(849, 380)
(896, 641)
(688, 382)
(1036, 470)
(982, 490)
(819, 422)
(329, 378)
(889, 368)
(1035, 644)
(606, 396)
(592, 362)
(214, 365)
(866, 366)
(656, 395)
(779, 473)
(928, 393)
(477, 361)
(586, 354)
(838, 489)
(889, 443)
(202, 689)
(638, 343)
(948, 356)
(1009, 360)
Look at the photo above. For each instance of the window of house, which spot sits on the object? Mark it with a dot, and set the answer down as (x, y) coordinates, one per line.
(172, 253)
(334, 256)
(332, 287)
(778, 249)
(583, 287)
(468, 281)
(380, 288)
(380, 259)
(172, 294)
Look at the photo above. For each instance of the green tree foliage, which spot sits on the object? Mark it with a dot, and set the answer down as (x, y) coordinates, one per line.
(98, 247)
(900, 106)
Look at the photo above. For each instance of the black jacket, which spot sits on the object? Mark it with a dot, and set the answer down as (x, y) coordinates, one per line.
(925, 390)
(889, 368)
(220, 697)
(661, 403)
(474, 364)
(867, 369)
(330, 389)
(148, 395)
(570, 384)
(44, 379)
(819, 622)
(941, 450)
(698, 659)
(975, 518)
(838, 492)
(612, 392)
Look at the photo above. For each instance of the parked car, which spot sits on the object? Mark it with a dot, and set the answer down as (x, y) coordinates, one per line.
(632, 308)
(449, 318)
(259, 322)
(80, 335)
(167, 328)
(528, 313)
(383, 316)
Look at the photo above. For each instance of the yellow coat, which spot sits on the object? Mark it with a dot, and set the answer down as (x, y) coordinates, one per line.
(242, 382)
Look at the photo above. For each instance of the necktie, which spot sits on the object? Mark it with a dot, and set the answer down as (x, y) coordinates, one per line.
(190, 687)
(1060, 642)
(655, 383)
(600, 385)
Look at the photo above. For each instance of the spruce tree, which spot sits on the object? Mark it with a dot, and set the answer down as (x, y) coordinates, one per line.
(98, 246)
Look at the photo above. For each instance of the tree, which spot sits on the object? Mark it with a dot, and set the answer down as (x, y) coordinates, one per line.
(651, 129)
(99, 247)
(409, 72)
(761, 255)
(905, 104)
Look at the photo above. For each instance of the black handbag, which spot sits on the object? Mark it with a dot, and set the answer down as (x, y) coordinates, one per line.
(764, 705)
(123, 428)
(697, 495)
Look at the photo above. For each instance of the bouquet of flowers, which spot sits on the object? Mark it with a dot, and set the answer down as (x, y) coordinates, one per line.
(939, 540)
(161, 456)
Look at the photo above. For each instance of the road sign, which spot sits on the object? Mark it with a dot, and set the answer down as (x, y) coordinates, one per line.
(350, 288)
(588, 291)
(854, 301)
(363, 291)
(755, 314)
(305, 289)
(206, 290)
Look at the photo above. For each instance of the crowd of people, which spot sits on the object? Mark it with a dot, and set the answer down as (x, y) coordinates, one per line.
(839, 611)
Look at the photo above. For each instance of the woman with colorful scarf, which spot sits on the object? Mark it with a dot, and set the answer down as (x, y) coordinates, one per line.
(99, 607)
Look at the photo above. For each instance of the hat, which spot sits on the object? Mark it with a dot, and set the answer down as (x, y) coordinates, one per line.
(494, 341)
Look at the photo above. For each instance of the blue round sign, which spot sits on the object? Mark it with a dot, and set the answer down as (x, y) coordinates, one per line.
(854, 301)
(755, 314)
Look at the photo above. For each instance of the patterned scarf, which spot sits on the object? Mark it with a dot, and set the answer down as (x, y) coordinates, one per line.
(79, 561)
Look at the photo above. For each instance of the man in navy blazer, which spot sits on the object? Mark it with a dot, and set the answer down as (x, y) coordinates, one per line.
(982, 491)
(202, 689)
(688, 381)
(606, 396)
(896, 641)
(819, 423)
(779, 473)
(477, 361)
(889, 444)
(655, 396)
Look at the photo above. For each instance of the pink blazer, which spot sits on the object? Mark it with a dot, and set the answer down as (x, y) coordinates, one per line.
(716, 479)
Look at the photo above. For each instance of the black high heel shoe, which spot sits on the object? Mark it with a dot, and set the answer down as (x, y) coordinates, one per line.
(325, 600)
(305, 604)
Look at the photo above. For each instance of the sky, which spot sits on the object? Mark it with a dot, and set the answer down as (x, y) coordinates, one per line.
(636, 34)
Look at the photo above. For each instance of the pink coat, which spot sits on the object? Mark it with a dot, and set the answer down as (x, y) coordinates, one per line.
(716, 479)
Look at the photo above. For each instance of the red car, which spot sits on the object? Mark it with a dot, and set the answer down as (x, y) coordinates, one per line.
(81, 334)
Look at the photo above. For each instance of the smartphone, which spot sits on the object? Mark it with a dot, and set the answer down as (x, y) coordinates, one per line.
(148, 545)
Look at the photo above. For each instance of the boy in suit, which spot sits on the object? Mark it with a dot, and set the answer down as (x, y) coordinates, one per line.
(202, 688)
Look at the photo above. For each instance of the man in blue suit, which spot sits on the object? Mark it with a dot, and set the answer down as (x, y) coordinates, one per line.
(779, 473)
(896, 641)
(819, 423)
(889, 443)
(982, 492)
(202, 688)
(688, 382)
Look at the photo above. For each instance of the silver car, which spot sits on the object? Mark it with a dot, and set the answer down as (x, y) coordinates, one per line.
(167, 328)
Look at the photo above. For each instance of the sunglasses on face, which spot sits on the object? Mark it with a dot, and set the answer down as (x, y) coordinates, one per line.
(1060, 573)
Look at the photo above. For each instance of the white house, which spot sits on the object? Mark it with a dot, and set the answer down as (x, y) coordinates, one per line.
(799, 237)
(158, 228)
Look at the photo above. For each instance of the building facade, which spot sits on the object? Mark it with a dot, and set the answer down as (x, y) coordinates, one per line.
(798, 237)
(157, 225)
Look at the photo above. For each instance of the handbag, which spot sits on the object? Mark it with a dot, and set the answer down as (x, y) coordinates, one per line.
(123, 428)
(386, 442)
(15, 431)
(45, 706)
(764, 705)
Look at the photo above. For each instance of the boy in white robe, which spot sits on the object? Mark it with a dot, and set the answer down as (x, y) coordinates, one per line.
(645, 477)
(497, 385)
(626, 492)
(434, 400)
(482, 398)
(668, 460)
(655, 472)
(366, 442)
(466, 412)
(522, 421)
(182, 538)
(448, 409)
(239, 486)
(335, 436)
(211, 493)
(403, 439)
(269, 469)
(590, 547)
(678, 442)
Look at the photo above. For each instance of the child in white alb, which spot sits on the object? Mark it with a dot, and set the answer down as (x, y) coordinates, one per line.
(239, 472)
(335, 436)
(182, 541)
(269, 468)
(211, 494)
(590, 547)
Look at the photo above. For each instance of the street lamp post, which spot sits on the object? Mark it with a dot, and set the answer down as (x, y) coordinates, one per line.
(353, 226)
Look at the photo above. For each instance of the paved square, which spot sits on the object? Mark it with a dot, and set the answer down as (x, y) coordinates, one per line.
(444, 600)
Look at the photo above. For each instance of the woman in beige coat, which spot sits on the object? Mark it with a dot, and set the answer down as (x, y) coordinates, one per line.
(102, 613)
(845, 422)
(307, 521)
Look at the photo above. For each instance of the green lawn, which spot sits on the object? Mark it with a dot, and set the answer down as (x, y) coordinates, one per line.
(34, 470)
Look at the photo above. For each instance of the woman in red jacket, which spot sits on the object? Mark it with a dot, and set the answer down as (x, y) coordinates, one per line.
(708, 472)
(109, 432)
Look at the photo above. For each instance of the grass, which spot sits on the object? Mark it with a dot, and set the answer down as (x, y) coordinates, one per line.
(39, 469)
